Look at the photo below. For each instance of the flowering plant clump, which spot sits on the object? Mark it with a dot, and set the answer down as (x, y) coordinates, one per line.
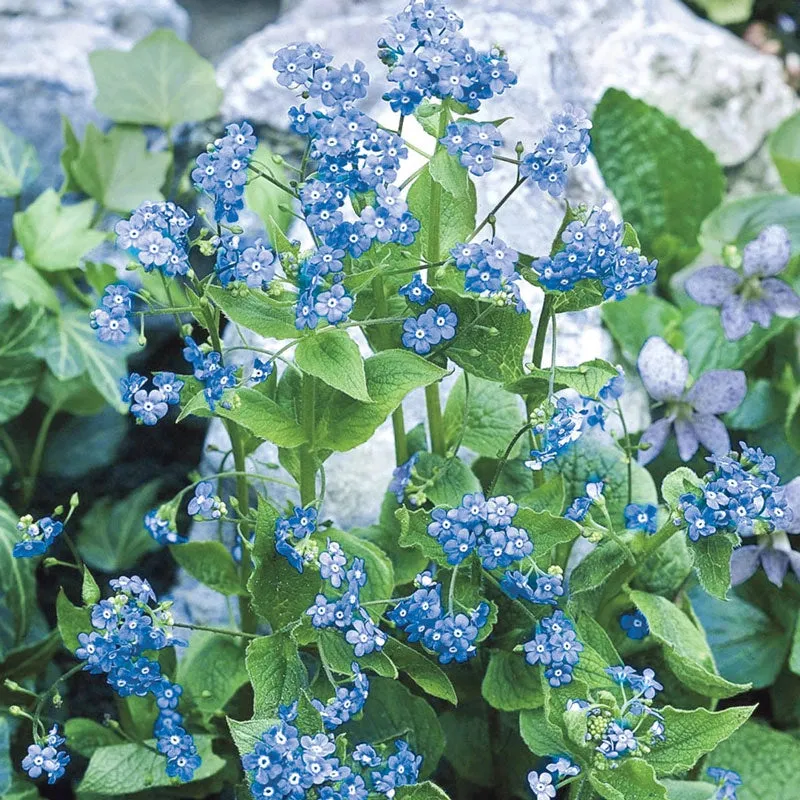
(528, 615)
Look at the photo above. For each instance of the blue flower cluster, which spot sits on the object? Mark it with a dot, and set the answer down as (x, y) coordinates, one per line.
(157, 234)
(346, 703)
(641, 517)
(473, 143)
(346, 612)
(634, 624)
(125, 628)
(111, 320)
(301, 524)
(254, 264)
(727, 782)
(401, 478)
(594, 249)
(36, 536)
(161, 529)
(430, 328)
(429, 57)
(221, 171)
(285, 763)
(543, 784)
(48, 760)
(209, 371)
(741, 495)
(567, 138)
(555, 434)
(206, 504)
(556, 647)
(490, 270)
(150, 407)
(423, 617)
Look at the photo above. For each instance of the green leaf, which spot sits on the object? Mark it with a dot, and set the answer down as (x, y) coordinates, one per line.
(376, 564)
(586, 379)
(118, 170)
(90, 591)
(256, 311)
(21, 284)
(493, 356)
(334, 358)
(748, 645)
(692, 734)
(542, 738)
(279, 594)
(635, 319)
(414, 533)
(753, 751)
(390, 376)
(712, 560)
(448, 172)
(421, 791)
(510, 683)
(162, 81)
(22, 789)
(19, 164)
(468, 744)
(490, 420)
(680, 481)
(546, 529)
(664, 571)
(30, 658)
(212, 670)
(727, 12)
(653, 166)
(55, 236)
(392, 711)
(125, 769)
(785, 152)
(689, 790)
(421, 669)
(266, 199)
(634, 779)
(245, 734)
(276, 673)
(6, 768)
(72, 620)
(85, 736)
(446, 480)
(112, 536)
(549, 496)
(72, 146)
(685, 647)
(211, 563)
(337, 655)
(17, 586)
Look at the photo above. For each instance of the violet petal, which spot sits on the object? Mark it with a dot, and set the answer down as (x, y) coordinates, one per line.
(769, 253)
(718, 391)
(744, 563)
(709, 286)
(781, 298)
(664, 372)
(775, 563)
(656, 436)
(791, 493)
(687, 439)
(759, 312)
(711, 432)
(735, 321)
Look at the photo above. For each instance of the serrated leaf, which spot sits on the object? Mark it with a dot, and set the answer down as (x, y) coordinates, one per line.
(510, 683)
(19, 164)
(692, 734)
(276, 673)
(56, 236)
(211, 563)
(333, 357)
(653, 166)
(162, 81)
(428, 675)
(118, 170)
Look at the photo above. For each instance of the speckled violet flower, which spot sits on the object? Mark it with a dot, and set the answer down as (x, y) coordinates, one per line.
(755, 296)
(692, 411)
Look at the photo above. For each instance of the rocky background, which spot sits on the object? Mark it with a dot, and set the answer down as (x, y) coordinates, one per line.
(719, 87)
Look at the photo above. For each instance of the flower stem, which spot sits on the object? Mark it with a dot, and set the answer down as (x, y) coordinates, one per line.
(212, 629)
(435, 419)
(627, 450)
(308, 468)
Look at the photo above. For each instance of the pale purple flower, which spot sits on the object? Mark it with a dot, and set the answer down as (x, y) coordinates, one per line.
(755, 295)
(691, 411)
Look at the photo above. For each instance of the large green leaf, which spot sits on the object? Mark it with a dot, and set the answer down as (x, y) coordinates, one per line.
(421, 791)
(17, 587)
(19, 370)
(546, 529)
(446, 480)
(488, 416)
(72, 620)
(21, 284)
(414, 533)
(124, 769)
(654, 166)
(256, 311)
(468, 743)
(117, 170)
(85, 736)
(212, 670)
(276, 673)
(333, 357)
(112, 537)
(635, 319)
(162, 81)
(426, 673)
(543, 738)
(19, 164)
(56, 236)
(211, 563)
(510, 683)
(634, 779)
(586, 379)
(711, 557)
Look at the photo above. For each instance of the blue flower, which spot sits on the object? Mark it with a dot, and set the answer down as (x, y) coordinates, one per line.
(401, 478)
(37, 537)
(260, 371)
(334, 305)
(162, 530)
(205, 504)
(417, 291)
(420, 334)
(149, 407)
(112, 326)
(169, 386)
(45, 761)
(130, 385)
(641, 517)
(541, 785)
(634, 624)
(303, 521)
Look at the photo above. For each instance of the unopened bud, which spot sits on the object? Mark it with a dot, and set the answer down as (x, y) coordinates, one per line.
(16, 711)
(519, 148)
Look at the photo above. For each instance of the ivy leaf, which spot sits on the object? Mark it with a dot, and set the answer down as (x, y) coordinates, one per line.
(586, 379)
(653, 166)
(211, 563)
(510, 683)
(162, 81)
(55, 236)
(635, 319)
(333, 357)
(256, 311)
(428, 675)
(685, 647)
(117, 170)
(712, 560)
(21, 284)
(692, 734)
(546, 530)
(634, 779)
(125, 769)
(276, 673)
(212, 670)
(19, 164)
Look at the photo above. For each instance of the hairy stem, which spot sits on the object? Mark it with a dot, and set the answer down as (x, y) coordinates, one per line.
(308, 467)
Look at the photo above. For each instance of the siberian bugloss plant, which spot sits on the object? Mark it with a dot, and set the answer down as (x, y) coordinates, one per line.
(506, 627)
